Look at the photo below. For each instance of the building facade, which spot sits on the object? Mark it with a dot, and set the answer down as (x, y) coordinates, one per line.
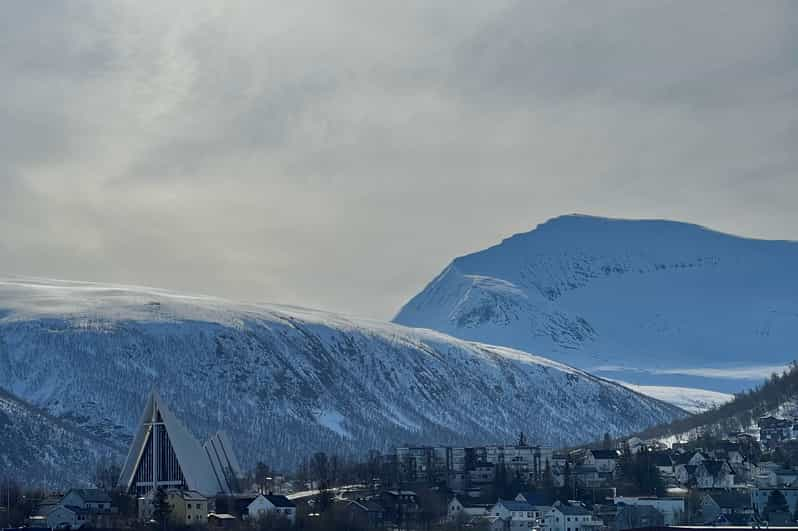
(164, 454)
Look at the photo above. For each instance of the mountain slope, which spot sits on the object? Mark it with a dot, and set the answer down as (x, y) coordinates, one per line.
(285, 382)
(36, 446)
(649, 302)
(692, 400)
(777, 396)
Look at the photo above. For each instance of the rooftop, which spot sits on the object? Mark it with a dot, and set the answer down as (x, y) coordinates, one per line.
(572, 510)
(92, 495)
(513, 505)
(279, 500)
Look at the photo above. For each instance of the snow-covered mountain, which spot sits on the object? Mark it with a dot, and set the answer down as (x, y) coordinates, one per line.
(45, 450)
(650, 302)
(285, 382)
(689, 399)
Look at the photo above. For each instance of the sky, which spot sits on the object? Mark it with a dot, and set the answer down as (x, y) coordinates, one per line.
(338, 155)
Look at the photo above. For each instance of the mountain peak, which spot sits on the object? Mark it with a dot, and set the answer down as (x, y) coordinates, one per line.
(676, 303)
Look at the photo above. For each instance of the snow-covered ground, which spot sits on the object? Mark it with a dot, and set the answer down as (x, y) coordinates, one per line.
(657, 303)
(285, 382)
(691, 400)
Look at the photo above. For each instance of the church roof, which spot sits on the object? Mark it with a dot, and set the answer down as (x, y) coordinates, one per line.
(194, 461)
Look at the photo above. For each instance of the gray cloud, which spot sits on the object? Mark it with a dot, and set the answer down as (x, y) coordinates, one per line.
(338, 154)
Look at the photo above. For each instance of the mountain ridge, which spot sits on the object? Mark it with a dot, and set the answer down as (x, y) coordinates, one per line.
(286, 382)
(601, 294)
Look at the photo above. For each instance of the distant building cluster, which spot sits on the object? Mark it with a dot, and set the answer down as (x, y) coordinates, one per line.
(744, 479)
(466, 469)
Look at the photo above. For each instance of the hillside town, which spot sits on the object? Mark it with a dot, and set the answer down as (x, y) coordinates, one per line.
(170, 480)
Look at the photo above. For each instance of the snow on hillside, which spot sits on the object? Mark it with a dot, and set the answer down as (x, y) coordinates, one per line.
(652, 302)
(691, 400)
(285, 382)
(38, 447)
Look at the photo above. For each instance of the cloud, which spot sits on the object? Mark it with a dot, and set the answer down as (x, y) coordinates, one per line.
(339, 155)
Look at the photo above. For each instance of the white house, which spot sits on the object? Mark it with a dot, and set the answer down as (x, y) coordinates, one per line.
(567, 517)
(93, 500)
(59, 516)
(672, 509)
(517, 515)
(264, 504)
(465, 509)
(74, 510)
(716, 474)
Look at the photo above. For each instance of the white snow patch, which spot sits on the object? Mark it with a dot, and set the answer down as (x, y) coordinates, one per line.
(402, 421)
(332, 420)
(689, 399)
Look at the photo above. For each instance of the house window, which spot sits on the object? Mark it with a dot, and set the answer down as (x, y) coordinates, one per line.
(189, 506)
(189, 517)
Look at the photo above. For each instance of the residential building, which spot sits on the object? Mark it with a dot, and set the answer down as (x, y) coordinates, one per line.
(76, 509)
(570, 517)
(664, 464)
(672, 509)
(638, 516)
(188, 507)
(604, 461)
(466, 509)
(401, 506)
(517, 515)
(534, 498)
(729, 506)
(59, 517)
(91, 500)
(714, 474)
(773, 431)
(266, 504)
(481, 474)
(365, 514)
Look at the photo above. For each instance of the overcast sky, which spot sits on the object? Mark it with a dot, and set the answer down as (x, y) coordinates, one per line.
(339, 154)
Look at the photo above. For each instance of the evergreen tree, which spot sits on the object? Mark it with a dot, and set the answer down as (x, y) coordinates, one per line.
(549, 489)
(568, 486)
(625, 463)
(776, 503)
(500, 481)
(161, 510)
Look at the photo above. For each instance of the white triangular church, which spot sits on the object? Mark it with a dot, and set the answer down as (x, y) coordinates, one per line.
(164, 454)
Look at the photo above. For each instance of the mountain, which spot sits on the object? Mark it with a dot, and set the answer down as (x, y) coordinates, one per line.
(285, 382)
(778, 396)
(650, 302)
(690, 400)
(44, 450)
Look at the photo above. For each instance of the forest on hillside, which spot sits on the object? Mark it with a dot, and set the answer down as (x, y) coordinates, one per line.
(739, 414)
